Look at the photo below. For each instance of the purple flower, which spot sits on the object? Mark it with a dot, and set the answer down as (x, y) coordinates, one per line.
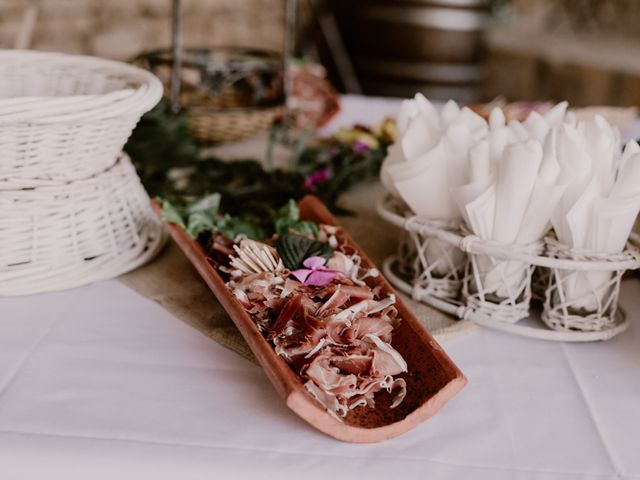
(360, 147)
(315, 273)
(314, 178)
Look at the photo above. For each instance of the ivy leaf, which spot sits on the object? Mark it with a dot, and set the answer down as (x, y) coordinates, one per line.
(287, 220)
(202, 215)
(232, 227)
(200, 222)
(170, 213)
(294, 249)
(209, 205)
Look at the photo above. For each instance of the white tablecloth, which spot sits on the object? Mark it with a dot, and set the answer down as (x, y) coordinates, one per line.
(100, 383)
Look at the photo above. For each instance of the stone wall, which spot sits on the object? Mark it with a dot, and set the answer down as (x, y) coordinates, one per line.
(612, 18)
(122, 28)
(581, 50)
(584, 51)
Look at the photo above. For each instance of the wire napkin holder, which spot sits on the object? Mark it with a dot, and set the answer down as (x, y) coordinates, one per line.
(492, 284)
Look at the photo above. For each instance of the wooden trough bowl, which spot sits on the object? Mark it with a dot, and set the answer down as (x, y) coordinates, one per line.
(432, 378)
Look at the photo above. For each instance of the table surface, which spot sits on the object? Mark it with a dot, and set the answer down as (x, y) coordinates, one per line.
(101, 383)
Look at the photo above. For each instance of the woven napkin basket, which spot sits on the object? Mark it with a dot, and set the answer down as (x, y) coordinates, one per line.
(72, 209)
(579, 289)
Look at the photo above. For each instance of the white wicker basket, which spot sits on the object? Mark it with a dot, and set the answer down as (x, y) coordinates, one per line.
(66, 117)
(52, 238)
(437, 266)
(581, 297)
(499, 288)
(582, 300)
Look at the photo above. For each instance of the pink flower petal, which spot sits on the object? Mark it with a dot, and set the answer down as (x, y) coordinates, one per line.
(319, 278)
(301, 274)
(314, 262)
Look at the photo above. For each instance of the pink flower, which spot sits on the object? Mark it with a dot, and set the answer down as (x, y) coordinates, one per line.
(319, 176)
(315, 273)
(361, 147)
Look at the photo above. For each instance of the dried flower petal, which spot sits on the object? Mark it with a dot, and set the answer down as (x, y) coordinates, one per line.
(314, 262)
(301, 274)
(315, 273)
(319, 278)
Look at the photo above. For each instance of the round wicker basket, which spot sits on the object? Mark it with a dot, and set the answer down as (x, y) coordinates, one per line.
(229, 125)
(228, 93)
(66, 117)
(64, 236)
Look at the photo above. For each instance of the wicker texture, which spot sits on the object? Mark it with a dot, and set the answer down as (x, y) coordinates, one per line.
(437, 266)
(228, 93)
(579, 300)
(66, 117)
(60, 237)
(580, 296)
(209, 125)
(500, 289)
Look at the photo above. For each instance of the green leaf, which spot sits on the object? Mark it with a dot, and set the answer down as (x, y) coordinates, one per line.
(170, 213)
(295, 249)
(202, 215)
(306, 228)
(209, 205)
(287, 220)
(289, 212)
(200, 222)
(232, 227)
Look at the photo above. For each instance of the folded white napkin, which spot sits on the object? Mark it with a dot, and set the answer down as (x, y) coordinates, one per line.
(431, 156)
(510, 182)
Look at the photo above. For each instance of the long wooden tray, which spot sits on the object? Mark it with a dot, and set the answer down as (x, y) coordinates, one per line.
(432, 378)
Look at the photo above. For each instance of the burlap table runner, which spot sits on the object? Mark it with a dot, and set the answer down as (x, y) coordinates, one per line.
(171, 281)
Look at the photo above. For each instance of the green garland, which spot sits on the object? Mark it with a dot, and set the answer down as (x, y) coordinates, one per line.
(169, 163)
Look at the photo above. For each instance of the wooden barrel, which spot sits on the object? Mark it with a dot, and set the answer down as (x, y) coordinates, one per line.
(435, 46)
